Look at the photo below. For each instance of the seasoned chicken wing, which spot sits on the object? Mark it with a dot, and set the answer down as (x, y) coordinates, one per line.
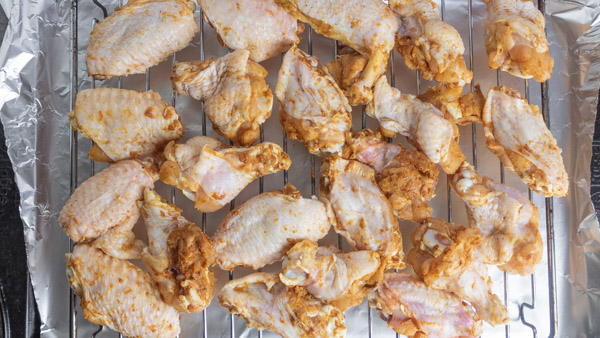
(212, 173)
(236, 97)
(363, 214)
(515, 40)
(406, 177)
(179, 255)
(264, 302)
(367, 26)
(329, 274)
(462, 110)
(124, 123)
(138, 36)
(446, 256)
(507, 219)
(422, 123)
(313, 109)
(515, 131)
(347, 69)
(259, 26)
(120, 241)
(117, 294)
(416, 310)
(260, 231)
(429, 44)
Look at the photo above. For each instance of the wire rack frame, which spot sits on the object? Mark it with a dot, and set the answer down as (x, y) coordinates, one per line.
(549, 205)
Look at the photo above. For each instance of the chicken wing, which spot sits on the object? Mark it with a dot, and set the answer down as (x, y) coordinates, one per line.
(515, 40)
(515, 131)
(363, 215)
(313, 109)
(259, 26)
(117, 294)
(124, 123)
(138, 36)
(328, 274)
(212, 173)
(507, 219)
(416, 310)
(462, 110)
(347, 69)
(179, 255)
(367, 26)
(264, 302)
(422, 123)
(446, 256)
(236, 97)
(260, 231)
(429, 44)
(406, 177)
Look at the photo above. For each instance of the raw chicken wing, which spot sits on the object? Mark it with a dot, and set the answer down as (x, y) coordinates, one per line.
(138, 36)
(260, 231)
(236, 97)
(313, 109)
(117, 294)
(515, 131)
(457, 108)
(124, 123)
(507, 219)
(328, 274)
(212, 173)
(347, 68)
(264, 302)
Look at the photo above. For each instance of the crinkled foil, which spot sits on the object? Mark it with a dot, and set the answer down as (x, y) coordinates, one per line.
(36, 92)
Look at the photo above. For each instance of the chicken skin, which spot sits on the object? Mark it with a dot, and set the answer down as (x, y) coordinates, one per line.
(117, 294)
(347, 69)
(179, 255)
(264, 302)
(457, 108)
(515, 131)
(313, 109)
(507, 219)
(429, 44)
(515, 40)
(412, 308)
(446, 256)
(105, 205)
(367, 26)
(363, 215)
(138, 36)
(259, 26)
(212, 173)
(236, 97)
(406, 177)
(328, 274)
(422, 123)
(260, 231)
(124, 123)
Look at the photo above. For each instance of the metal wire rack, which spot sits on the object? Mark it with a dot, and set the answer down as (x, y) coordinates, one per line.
(549, 215)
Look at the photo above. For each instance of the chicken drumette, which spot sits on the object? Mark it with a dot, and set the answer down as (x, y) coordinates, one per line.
(457, 108)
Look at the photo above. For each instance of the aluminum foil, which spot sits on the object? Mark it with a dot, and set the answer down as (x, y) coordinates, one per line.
(37, 85)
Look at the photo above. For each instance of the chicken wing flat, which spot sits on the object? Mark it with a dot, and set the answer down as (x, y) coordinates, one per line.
(446, 256)
(515, 131)
(117, 294)
(236, 97)
(363, 214)
(515, 40)
(507, 219)
(429, 44)
(124, 123)
(422, 123)
(367, 26)
(179, 256)
(406, 177)
(264, 302)
(457, 108)
(259, 26)
(260, 231)
(138, 36)
(416, 310)
(212, 173)
(328, 274)
(313, 109)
